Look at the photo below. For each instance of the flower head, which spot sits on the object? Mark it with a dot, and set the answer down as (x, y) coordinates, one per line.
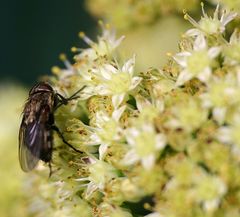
(107, 43)
(100, 173)
(210, 25)
(221, 94)
(198, 62)
(232, 49)
(107, 129)
(145, 145)
(230, 134)
(115, 81)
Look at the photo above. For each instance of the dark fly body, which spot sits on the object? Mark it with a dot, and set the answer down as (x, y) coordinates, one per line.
(37, 126)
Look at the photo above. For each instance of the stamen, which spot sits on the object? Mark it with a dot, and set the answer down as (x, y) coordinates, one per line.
(55, 70)
(66, 62)
(82, 179)
(203, 11)
(191, 20)
(216, 13)
(75, 49)
(86, 39)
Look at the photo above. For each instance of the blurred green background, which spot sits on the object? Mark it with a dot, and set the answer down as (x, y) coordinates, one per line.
(33, 33)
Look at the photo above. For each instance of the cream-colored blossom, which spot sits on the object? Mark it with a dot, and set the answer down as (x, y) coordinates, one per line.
(146, 145)
(209, 190)
(198, 62)
(189, 115)
(110, 210)
(210, 25)
(115, 81)
(220, 94)
(147, 111)
(106, 44)
(232, 49)
(100, 173)
(230, 134)
(107, 129)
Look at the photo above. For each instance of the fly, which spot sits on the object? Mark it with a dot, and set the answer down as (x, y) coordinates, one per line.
(37, 126)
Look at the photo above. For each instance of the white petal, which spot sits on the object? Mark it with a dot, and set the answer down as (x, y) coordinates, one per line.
(110, 68)
(234, 37)
(219, 114)
(236, 151)
(102, 151)
(90, 189)
(118, 42)
(94, 137)
(141, 102)
(129, 66)
(130, 158)
(102, 117)
(228, 18)
(102, 90)
(216, 12)
(224, 135)
(214, 51)
(106, 74)
(135, 81)
(193, 32)
(200, 43)
(160, 141)
(148, 162)
(205, 75)
(183, 77)
(147, 128)
(159, 104)
(206, 102)
(131, 134)
(211, 205)
(173, 123)
(180, 58)
(118, 113)
(117, 100)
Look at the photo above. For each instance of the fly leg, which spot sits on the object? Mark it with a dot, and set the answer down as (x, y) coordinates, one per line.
(55, 128)
(64, 101)
(50, 169)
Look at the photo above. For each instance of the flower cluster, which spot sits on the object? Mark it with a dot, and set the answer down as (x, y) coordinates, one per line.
(125, 14)
(156, 143)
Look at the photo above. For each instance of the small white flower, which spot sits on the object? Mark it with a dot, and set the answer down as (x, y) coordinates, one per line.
(196, 64)
(107, 129)
(100, 173)
(145, 145)
(221, 94)
(116, 82)
(187, 115)
(210, 191)
(210, 25)
(106, 44)
(147, 110)
(232, 49)
(230, 134)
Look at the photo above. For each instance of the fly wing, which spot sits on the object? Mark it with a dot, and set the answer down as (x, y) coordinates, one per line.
(27, 159)
(32, 138)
